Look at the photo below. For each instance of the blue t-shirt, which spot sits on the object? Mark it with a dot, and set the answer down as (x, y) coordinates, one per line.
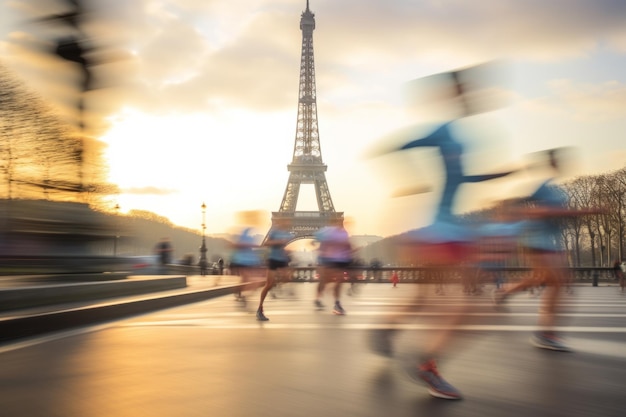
(277, 252)
(545, 234)
(244, 253)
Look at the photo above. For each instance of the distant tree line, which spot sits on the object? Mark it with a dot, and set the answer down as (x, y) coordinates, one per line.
(596, 240)
(140, 230)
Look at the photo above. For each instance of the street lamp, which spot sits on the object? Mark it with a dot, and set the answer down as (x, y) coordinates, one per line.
(203, 261)
(117, 210)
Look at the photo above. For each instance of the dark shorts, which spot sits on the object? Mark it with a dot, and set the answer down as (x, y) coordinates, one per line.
(273, 264)
(236, 268)
(335, 264)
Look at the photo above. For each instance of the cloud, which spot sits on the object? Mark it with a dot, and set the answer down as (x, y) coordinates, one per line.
(197, 55)
(256, 68)
(459, 30)
(249, 71)
(597, 103)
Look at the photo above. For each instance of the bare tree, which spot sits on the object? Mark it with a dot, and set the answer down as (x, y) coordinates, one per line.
(583, 194)
(619, 189)
(611, 201)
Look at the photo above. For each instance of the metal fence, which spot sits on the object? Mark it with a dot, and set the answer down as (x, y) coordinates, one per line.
(416, 275)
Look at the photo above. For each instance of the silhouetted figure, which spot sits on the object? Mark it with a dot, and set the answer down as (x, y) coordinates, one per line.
(164, 252)
(204, 266)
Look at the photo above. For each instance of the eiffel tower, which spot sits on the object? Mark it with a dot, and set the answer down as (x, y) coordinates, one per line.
(307, 166)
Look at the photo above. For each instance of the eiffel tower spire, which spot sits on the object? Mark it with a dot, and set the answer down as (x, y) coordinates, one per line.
(307, 166)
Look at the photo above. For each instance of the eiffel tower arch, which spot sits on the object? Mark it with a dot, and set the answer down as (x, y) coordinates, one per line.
(307, 166)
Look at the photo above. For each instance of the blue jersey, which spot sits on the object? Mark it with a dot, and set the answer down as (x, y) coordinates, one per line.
(244, 253)
(545, 234)
(278, 252)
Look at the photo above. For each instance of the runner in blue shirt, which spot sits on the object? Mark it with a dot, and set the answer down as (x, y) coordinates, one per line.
(277, 260)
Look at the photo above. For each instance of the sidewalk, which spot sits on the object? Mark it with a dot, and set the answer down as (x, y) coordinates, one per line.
(21, 323)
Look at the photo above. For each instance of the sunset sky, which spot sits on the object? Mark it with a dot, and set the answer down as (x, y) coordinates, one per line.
(202, 107)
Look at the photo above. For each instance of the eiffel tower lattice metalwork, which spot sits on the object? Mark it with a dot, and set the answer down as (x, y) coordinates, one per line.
(307, 166)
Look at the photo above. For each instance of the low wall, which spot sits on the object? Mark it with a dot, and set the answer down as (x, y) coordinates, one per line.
(42, 295)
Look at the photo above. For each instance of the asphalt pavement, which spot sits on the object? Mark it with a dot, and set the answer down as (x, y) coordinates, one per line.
(212, 358)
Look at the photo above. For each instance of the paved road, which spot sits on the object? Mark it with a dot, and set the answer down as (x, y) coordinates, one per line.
(214, 359)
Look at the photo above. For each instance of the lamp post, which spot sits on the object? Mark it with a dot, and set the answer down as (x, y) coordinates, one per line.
(203, 261)
(117, 210)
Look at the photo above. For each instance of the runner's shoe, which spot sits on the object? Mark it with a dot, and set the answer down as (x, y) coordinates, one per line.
(437, 386)
(379, 341)
(338, 309)
(260, 316)
(319, 305)
(549, 341)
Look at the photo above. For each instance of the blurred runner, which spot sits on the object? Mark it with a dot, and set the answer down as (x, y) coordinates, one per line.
(447, 244)
(277, 259)
(545, 210)
(245, 258)
(334, 260)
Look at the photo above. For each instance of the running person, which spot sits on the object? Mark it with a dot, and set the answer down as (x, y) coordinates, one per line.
(447, 243)
(277, 259)
(334, 260)
(542, 239)
(245, 259)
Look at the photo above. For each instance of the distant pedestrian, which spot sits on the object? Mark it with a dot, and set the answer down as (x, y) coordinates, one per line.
(395, 279)
(204, 266)
(220, 266)
(164, 251)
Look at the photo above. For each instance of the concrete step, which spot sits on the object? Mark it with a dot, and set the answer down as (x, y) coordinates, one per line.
(37, 293)
(26, 322)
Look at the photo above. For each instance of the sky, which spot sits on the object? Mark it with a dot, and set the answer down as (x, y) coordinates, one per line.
(199, 103)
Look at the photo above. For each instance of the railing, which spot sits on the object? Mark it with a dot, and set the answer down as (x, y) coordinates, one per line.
(55, 265)
(426, 275)
(417, 275)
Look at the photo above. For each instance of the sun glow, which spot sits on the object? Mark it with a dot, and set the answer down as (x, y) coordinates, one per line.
(170, 164)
